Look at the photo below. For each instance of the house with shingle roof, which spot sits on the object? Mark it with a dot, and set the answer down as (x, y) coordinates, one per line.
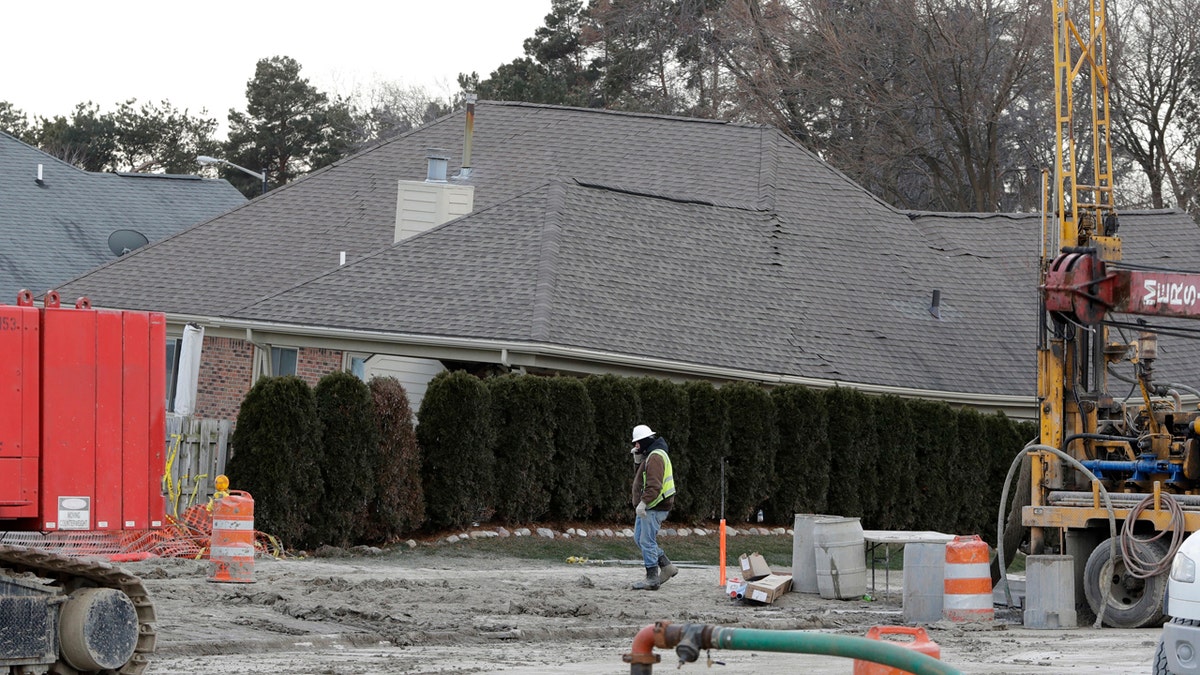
(56, 220)
(586, 241)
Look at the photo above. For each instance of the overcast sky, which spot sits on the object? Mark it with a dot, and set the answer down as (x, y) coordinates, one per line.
(201, 54)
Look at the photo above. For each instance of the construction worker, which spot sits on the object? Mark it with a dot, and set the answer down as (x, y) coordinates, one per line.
(653, 496)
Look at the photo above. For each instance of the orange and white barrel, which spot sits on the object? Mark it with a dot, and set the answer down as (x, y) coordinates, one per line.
(231, 548)
(968, 581)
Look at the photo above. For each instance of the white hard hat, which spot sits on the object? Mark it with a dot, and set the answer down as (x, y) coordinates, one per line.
(641, 432)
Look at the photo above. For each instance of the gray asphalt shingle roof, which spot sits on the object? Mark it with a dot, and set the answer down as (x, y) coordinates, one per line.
(696, 241)
(59, 229)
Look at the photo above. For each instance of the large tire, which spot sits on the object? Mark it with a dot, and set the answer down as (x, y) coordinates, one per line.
(1133, 602)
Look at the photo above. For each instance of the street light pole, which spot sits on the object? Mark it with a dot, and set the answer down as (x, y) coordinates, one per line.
(205, 159)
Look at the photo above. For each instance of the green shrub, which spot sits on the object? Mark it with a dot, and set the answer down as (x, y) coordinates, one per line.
(524, 446)
(399, 504)
(753, 442)
(275, 457)
(972, 465)
(1005, 441)
(457, 440)
(664, 407)
(708, 445)
(896, 463)
(348, 458)
(852, 448)
(616, 408)
(574, 427)
(802, 463)
(935, 427)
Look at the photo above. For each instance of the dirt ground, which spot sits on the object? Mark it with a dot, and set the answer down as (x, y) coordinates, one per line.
(405, 612)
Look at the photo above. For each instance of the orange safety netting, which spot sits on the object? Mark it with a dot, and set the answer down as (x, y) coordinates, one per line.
(187, 536)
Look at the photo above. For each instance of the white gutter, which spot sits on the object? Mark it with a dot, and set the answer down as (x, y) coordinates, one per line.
(509, 353)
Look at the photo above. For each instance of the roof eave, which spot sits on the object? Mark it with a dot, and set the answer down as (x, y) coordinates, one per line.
(563, 358)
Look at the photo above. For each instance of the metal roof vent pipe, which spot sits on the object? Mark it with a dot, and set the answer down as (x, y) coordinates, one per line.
(936, 307)
(437, 165)
(468, 138)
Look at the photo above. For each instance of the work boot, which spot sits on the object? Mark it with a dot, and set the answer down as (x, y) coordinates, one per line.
(666, 570)
(650, 583)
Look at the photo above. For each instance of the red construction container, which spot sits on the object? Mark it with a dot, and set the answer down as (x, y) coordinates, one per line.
(20, 396)
(90, 388)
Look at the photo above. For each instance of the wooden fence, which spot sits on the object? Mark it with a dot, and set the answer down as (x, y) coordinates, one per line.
(196, 454)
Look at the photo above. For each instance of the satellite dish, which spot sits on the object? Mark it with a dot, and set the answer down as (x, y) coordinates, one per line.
(121, 242)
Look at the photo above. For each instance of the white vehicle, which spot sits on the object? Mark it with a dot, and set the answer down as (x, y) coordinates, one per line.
(1179, 648)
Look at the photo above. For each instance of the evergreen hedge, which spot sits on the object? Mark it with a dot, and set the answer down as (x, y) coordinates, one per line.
(348, 458)
(753, 442)
(1005, 441)
(343, 464)
(802, 463)
(971, 464)
(935, 427)
(275, 457)
(574, 426)
(896, 466)
(708, 445)
(852, 447)
(615, 402)
(457, 440)
(524, 447)
(399, 503)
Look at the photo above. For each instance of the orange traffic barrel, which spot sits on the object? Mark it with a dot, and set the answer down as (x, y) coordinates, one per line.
(920, 642)
(231, 549)
(967, 592)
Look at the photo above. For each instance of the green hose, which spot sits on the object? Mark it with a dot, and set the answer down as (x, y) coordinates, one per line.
(805, 642)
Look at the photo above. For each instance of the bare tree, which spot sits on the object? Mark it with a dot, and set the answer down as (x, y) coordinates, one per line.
(932, 104)
(1155, 103)
(391, 108)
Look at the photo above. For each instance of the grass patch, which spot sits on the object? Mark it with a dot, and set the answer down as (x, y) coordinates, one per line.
(777, 549)
(704, 550)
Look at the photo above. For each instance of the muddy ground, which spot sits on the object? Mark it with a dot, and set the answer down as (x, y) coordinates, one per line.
(417, 612)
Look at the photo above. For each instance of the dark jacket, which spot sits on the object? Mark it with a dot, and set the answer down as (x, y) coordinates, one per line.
(653, 469)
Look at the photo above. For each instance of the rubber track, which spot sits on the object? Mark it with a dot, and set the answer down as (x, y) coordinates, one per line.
(90, 573)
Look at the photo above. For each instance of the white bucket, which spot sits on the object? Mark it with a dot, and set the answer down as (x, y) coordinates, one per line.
(841, 558)
(804, 559)
(924, 588)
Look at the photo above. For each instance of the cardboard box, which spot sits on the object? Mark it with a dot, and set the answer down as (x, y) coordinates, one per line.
(769, 588)
(754, 566)
(735, 588)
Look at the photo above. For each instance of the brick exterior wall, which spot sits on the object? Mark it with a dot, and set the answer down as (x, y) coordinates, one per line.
(313, 364)
(226, 368)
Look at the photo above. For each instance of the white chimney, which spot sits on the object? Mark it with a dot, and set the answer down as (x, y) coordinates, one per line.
(423, 205)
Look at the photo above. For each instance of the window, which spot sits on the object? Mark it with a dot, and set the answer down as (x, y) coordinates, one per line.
(173, 345)
(283, 361)
(356, 365)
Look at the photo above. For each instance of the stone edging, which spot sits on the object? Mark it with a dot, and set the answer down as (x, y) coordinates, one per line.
(581, 533)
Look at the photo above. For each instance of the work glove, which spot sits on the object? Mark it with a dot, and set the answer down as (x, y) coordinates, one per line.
(641, 509)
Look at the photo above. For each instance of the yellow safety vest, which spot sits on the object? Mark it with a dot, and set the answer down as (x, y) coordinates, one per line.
(668, 484)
